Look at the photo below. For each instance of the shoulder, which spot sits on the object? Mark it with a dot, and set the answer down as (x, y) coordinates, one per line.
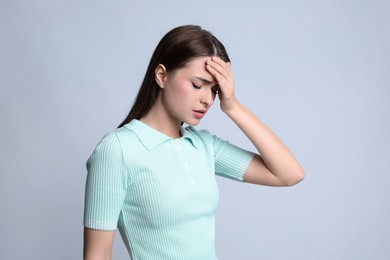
(112, 142)
(203, 134)
(117, 137)
(204, 137)
(112, 138)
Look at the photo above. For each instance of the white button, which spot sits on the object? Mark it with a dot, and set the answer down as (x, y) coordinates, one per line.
(185, 165)
(178, 145)
(192, 180)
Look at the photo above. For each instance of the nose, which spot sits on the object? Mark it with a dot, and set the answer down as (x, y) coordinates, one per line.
(208, 98)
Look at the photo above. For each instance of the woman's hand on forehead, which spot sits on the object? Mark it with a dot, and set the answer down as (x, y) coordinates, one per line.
(222, 73)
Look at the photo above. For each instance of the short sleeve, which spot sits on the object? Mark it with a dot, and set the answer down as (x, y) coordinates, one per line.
(231, 161)
(105, 185)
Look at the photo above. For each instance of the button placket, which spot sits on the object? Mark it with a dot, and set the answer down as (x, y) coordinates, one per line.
(184, 164)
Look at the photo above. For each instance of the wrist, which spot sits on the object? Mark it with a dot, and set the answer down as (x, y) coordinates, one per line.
(232, 108)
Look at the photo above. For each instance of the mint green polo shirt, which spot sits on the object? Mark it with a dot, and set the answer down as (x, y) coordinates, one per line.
(161, 193)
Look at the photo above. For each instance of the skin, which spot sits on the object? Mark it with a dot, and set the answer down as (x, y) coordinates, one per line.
(98, 244)
(184, 94)
(276, 166)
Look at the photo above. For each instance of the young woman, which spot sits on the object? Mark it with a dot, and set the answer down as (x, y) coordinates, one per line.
(153, 179)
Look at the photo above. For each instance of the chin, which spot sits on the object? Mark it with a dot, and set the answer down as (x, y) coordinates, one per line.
(192, 122)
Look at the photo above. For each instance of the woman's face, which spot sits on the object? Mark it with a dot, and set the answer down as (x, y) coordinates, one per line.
(189, 92)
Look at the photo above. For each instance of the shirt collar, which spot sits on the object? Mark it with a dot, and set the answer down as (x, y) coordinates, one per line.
(151, 138)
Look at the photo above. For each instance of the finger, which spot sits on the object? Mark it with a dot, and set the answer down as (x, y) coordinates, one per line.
(219, 68)
(223, 65)
(214, 72)
(219, 61)
(224, 84)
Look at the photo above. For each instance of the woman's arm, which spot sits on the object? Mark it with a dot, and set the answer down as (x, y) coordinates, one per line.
(98, 244)
(275, 165)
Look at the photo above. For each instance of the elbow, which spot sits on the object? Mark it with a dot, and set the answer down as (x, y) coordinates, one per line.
(295, 177)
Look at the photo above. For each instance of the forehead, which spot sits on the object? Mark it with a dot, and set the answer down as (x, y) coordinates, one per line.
(196, 68)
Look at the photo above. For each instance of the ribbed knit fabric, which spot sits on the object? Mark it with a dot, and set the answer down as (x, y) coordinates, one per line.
(160, 192)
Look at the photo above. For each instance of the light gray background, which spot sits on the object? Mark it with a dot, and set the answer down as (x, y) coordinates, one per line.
(317, 72)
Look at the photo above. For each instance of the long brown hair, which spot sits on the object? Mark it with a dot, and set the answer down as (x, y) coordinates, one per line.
(174, 50)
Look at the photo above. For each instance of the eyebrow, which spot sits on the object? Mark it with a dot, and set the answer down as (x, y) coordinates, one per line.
(206, 81)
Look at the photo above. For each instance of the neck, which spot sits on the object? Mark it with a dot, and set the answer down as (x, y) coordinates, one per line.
(158, 119)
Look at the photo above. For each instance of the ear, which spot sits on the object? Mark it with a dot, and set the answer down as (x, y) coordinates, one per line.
(160, 75)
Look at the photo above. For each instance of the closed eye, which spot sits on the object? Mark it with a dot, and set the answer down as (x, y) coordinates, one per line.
(195, 86)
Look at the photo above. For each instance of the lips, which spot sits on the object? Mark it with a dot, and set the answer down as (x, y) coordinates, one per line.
(199, 113)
